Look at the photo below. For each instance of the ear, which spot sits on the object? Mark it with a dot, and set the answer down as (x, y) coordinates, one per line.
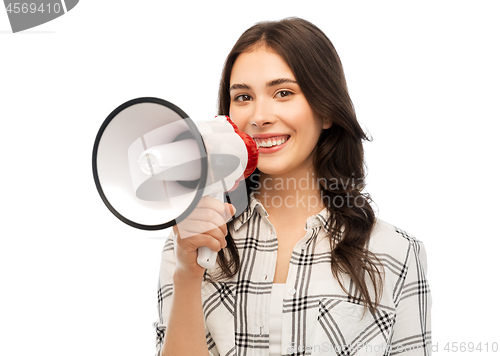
(327, 123)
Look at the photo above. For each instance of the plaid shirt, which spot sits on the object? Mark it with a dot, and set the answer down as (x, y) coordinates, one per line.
(318, 317)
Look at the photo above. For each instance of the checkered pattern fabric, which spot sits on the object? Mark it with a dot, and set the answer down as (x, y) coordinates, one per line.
(318, 317)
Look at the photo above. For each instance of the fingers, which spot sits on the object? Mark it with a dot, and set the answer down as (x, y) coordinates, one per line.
(215, 239)
(189, 228)
(225, 210)
(230, 211)
(205, 226)
(211, 203)
(194, 242)
(209, 217)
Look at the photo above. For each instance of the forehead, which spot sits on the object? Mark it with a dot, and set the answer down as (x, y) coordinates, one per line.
(258, 67)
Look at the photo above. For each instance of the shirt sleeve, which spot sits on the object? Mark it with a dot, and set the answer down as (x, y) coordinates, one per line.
(165, 294)
(165, 291)
(412, 327)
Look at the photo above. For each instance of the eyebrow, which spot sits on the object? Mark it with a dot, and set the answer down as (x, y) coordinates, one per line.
(269, 84)
(280, 81)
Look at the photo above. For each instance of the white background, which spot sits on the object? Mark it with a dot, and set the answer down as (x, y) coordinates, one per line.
(424, 78)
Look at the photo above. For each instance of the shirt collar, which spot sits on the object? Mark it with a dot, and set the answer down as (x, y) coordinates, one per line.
(256, 207)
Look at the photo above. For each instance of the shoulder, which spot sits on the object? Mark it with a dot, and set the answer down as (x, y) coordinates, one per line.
(388, 239)
(404, 261)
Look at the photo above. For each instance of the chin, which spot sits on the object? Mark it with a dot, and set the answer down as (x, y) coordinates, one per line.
(271, 170)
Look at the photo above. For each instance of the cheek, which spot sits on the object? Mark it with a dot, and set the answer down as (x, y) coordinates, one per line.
(233, 114)
(237, 118)
(298, 113)
(233, 117)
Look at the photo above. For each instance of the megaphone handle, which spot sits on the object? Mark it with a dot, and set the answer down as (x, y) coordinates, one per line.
(207, 257)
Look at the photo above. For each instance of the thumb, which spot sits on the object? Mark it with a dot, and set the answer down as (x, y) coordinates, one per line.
(230, 210)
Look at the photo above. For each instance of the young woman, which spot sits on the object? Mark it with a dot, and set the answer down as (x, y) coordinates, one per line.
(305, 268)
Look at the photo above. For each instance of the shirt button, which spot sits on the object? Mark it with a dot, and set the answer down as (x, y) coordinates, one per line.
(265, 277)
(292, 291)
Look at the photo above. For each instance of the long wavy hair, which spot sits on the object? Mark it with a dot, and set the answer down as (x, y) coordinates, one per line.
(338, 156)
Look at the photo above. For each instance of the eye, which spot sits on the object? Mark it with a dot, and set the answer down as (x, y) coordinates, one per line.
(283, 93)
(242, 97)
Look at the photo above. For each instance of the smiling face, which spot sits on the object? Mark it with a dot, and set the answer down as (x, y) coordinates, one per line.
(268, 104)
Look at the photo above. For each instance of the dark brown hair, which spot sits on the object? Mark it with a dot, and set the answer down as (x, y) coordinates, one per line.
(338, 154)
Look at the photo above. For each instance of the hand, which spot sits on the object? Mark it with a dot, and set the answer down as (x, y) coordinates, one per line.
(205, 226)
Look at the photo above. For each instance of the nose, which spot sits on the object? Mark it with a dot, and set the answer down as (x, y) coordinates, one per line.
(261, 115)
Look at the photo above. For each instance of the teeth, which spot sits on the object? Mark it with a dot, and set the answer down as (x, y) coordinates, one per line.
(271, 142)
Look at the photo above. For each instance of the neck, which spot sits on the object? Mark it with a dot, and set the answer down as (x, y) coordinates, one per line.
(291, 195)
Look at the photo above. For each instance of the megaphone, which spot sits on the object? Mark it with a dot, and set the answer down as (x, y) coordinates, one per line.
(152, 164)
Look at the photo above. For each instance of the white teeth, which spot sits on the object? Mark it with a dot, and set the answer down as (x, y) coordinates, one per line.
(270, 143)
